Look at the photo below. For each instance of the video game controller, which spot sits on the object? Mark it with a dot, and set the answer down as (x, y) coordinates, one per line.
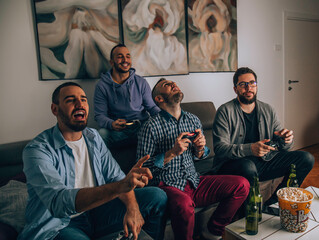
(191, 136)
(131, 122)
(121, 236)
(272, 144)
(128, 123)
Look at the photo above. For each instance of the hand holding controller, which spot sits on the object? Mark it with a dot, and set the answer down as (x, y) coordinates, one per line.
(191, 136)
(272, 144)
(121, 236)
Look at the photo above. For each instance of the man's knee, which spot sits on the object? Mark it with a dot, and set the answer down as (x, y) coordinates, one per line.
(243, 186)
(159, 197)
(306, 159)
(184, 209)
(247, 169)
(152, 198)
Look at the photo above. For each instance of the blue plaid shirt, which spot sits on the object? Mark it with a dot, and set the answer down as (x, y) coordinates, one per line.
(157, 136)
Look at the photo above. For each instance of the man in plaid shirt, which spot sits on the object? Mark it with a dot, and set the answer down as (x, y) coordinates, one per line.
(171, 163)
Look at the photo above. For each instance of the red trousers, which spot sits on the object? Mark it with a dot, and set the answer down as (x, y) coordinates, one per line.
(230, 191)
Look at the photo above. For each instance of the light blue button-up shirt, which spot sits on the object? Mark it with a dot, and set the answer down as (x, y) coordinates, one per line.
(50, 171)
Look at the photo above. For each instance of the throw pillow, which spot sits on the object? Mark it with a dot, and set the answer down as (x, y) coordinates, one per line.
(13, 201)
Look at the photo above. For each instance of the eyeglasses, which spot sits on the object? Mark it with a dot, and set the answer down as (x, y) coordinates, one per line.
(245, 84)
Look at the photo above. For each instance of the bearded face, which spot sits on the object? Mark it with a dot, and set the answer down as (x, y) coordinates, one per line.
(245, 100)
(121, 60)
(247, 93)
(76, 126)
(173, 99)
(118, 67)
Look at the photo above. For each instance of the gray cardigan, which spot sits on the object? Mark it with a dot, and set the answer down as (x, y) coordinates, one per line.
(229, 132)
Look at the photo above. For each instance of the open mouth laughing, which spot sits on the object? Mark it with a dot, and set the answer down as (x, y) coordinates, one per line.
(79, 115)
(125, 65)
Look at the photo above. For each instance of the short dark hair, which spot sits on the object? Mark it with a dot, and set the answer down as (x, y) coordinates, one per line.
(154, 91)
(241, 71)
(56, 93)
(116, 46)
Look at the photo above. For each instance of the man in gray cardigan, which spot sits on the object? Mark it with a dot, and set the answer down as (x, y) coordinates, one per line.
(249, 140)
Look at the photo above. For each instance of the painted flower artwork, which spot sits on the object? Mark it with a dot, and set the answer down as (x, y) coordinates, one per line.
(212, 34)
(75, 37)
(154, 32)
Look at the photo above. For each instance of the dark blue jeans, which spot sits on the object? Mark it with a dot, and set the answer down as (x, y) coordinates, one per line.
(266, 170)
(277, 167)
(126, 137)
(108, 218)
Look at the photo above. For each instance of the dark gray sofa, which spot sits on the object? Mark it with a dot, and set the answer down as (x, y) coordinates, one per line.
(11, 162)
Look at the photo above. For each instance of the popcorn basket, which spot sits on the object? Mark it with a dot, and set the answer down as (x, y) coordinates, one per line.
(294, 205)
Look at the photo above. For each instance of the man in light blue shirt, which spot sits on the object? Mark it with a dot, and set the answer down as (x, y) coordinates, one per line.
(76, 188)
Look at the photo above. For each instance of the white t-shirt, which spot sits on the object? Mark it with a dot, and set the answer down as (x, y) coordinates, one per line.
(83, 169)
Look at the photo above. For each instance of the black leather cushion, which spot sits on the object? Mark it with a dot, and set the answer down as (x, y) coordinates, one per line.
(206, 112)
(11, 158)
(7, 232)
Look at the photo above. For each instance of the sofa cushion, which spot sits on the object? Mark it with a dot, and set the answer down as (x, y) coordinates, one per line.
(206, 112)
(7, 232)
(11, 158)
(12, 204)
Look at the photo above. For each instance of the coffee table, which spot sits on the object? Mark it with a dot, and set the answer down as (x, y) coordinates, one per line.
(270, 229)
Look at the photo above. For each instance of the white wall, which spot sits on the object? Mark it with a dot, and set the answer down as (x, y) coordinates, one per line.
(25, 101)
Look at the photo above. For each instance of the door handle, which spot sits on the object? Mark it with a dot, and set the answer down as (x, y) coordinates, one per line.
(293, 81)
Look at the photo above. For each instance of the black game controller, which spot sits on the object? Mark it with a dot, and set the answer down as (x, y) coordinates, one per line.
(121, 236)
(129, 123)
(132, 122)
(272, 144)
(191, 136)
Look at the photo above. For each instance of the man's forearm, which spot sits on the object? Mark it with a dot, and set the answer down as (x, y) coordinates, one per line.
(129, 200)
(89, 198)
(169, 155)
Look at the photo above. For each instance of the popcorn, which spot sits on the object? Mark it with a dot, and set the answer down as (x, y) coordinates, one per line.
(293, 194)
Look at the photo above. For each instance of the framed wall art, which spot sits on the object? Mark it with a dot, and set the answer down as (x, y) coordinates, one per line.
(154, 31)
(75, 37)
(212, 35)
(165, 37)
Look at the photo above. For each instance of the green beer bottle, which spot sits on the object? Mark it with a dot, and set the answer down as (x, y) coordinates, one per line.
(251, 213)
(292, 179)
(259, 198)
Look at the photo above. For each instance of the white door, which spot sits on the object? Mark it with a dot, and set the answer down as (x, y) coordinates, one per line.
(301, 63)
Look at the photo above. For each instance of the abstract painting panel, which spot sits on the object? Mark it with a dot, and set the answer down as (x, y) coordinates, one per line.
(75, 37)
(154, 32)
(212, 35)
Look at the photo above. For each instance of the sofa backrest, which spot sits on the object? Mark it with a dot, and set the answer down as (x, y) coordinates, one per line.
(206, 112)
(11, 158)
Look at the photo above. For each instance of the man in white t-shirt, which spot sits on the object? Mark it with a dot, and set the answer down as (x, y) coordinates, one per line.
(76, 188)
